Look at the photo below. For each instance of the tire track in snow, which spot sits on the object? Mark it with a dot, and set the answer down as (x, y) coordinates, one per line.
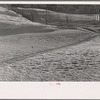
(32, 54)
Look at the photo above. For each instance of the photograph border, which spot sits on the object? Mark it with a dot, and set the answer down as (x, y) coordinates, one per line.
(50, 90)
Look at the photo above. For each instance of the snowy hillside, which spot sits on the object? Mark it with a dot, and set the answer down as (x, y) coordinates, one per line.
(31, 51)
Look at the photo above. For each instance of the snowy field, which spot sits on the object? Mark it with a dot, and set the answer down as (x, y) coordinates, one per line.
(31, 51)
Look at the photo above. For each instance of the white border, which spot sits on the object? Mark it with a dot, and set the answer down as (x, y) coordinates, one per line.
(51, 2)
(49, 90)
(44, 90)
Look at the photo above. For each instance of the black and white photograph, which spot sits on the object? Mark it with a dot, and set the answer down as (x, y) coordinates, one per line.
(49, 42)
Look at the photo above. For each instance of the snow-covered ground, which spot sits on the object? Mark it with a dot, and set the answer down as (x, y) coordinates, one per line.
(31, 51)
(61, 15)
(17, 19)
(75, 63)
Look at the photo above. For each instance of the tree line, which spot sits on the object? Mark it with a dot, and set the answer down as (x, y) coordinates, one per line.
(71, 9)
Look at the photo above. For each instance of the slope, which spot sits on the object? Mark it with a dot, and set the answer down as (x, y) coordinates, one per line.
(21, 39)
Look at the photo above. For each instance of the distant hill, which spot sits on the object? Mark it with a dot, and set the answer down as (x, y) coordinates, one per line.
(63, 8)
(14, 23)
(50, 17)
